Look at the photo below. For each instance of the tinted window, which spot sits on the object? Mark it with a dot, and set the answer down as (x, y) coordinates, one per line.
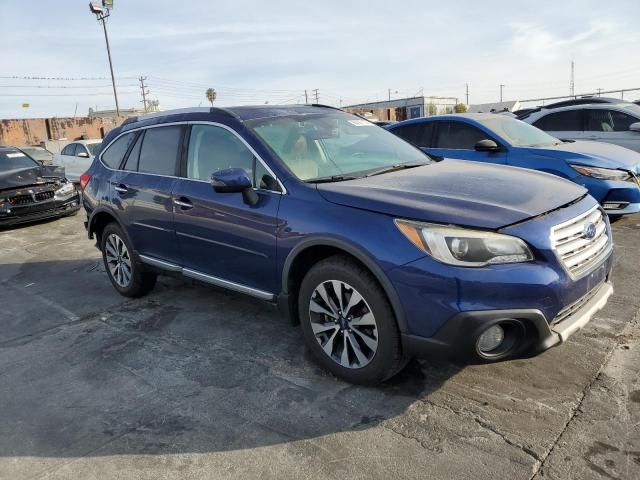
(621, 121)
(112, 157)
(568, 121)
(132, 160)
(79, 149)
(418, 134)
(159, 152)
(69, 149)
(215, 148)
(458, 135)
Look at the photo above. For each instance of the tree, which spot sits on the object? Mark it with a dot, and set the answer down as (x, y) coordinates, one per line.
(460, 108)
(432, 109)
(211, 95)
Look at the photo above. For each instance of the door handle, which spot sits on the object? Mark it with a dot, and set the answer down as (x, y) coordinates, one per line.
(121, 188)
(183, 203)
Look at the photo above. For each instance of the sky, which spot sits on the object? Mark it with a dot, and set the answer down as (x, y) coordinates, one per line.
(352, 51)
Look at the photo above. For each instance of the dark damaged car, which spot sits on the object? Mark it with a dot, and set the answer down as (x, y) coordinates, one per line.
(30, 192)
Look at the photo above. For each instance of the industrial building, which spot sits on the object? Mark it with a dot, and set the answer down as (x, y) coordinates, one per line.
(404, 108)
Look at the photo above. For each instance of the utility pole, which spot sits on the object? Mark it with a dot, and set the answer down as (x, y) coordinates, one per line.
(316, 93)
(572, 85)
(144, 91)
(501, 87)
(599, 90)
(306, 97)
(389, 94)
(102, 13)
(467, 85)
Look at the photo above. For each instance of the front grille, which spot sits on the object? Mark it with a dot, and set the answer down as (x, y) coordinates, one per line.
(577, 251)
(569, 310)
(27, 199)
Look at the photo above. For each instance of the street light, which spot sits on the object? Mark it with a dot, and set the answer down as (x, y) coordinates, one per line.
(102, 12)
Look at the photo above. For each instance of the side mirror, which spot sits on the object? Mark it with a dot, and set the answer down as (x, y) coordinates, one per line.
(486, 145)
(83, 155)
(234, 180)
(634, 127)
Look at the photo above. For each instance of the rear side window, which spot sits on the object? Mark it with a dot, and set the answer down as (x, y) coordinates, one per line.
(459, 136)
(418, 134)
(568, 121)
(79, 149)
(160, 149)
(112, 157)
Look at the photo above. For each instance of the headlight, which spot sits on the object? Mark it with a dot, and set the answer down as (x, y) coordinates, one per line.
(462, 247)
(602, 173)
(66, 190)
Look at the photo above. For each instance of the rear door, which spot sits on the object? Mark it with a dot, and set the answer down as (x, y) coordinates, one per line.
(566, 124)
(456, 139)
(141, 189)
(219, 234)
(612, 126)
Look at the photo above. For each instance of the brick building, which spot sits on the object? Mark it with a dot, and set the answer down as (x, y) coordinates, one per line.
(53, 132)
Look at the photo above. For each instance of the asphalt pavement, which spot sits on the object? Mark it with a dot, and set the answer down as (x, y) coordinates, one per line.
(194, 382)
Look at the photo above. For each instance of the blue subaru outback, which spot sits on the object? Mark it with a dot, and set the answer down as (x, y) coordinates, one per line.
(378, 252)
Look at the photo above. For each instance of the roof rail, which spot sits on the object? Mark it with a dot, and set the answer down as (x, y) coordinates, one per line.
(321, 105)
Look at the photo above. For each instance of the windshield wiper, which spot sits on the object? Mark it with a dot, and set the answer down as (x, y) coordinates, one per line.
(331, 178)
(393, 168)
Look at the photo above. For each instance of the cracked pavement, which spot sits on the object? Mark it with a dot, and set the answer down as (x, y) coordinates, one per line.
(195, 382)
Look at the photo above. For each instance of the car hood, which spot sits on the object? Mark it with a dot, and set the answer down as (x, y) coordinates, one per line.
(593, 154)
(457, 192)
(25, 177)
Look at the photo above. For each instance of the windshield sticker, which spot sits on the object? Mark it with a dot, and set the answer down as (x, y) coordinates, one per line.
(15, 155)
(360, 123)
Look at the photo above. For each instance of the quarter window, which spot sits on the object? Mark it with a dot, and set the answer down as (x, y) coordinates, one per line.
(160, 149)
(568, 121)
(113, 155)
(458, 135)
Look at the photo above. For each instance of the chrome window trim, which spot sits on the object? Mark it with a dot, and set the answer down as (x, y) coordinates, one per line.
(193, 122)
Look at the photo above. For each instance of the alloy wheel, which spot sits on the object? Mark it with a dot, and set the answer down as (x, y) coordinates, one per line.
(118, 260)
(343, 324)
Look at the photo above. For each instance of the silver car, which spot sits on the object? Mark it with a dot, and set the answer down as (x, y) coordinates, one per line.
(76, 157)
(617, 123)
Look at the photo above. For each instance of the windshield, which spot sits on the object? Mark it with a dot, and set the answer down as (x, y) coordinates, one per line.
(518, 133)
(333, 144)
(93, 148)
(14, 160)
(37, 153)
(633, 109)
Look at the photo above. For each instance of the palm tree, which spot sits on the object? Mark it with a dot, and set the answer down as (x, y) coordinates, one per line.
(211, 95)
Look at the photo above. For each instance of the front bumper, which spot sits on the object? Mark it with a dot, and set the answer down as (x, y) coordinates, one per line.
(458, 337)
(40, 211)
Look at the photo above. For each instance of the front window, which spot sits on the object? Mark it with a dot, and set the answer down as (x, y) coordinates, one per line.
(518, 133)
(15, 160)
(333, 144)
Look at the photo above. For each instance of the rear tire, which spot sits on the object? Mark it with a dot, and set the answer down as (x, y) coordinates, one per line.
(126, 274)
(348, 323)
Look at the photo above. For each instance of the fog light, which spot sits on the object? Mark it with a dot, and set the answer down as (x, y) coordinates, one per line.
(491, 339)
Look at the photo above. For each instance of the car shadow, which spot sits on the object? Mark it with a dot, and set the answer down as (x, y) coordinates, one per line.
(186, 369)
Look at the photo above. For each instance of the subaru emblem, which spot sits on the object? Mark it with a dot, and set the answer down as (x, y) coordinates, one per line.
(589, 231)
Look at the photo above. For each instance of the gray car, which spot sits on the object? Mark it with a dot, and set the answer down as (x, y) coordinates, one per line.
(617, 123)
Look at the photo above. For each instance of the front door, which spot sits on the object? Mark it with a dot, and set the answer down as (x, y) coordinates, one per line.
(219, 235)
(456, 139)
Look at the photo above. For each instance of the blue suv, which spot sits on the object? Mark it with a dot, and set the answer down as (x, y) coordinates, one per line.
(378, 252)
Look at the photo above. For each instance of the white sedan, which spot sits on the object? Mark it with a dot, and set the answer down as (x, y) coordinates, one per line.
(76, 157)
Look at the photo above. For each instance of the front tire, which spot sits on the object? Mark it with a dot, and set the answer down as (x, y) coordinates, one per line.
(348, 323)
(126, 275)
